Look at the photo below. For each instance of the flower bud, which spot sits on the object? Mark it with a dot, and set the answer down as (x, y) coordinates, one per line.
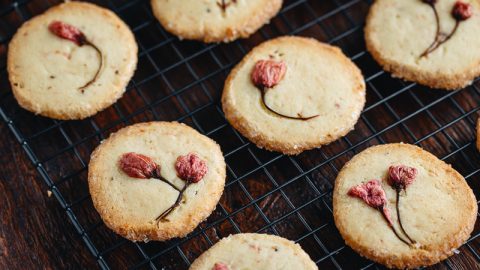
(67, 31)
(191, 168)
(400, 176)
(462, 11)
(138, 166)
(268, 73)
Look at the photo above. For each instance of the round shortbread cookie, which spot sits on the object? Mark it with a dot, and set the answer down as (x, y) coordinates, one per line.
(319, 80)
(438, 210)
(254, 251)
(130, 206)
(214, 20)
(398, 33)
(48, 73)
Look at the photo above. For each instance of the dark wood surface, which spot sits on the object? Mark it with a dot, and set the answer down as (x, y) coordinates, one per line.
(34, 231)
(265, 192)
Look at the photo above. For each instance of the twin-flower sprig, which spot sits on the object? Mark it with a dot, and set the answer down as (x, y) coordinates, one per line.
(190, 168)
(460, 12)
(372, 193)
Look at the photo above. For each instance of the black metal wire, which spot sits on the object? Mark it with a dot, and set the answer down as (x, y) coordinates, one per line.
(305, 174)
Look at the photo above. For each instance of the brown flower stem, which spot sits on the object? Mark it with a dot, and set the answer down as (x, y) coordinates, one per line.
(222, 5)
(391, 226)
(400, 219)
(439, 37)
(100, 55)
(435, 42)
(300, 117)
(177, 202)
(441, 40)
(161, 178)
(455, 28)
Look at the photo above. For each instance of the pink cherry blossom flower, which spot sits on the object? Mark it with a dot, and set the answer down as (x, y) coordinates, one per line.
(191, 168)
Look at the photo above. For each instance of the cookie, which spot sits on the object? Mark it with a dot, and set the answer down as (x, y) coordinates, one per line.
(214, 20)
(156, 180)
(71, 61)
(436, 207)
(254, 251)
(292, 94)
(406, 38)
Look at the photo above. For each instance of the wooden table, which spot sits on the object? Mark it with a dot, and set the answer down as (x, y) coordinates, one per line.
(34, 231)
(267, 192)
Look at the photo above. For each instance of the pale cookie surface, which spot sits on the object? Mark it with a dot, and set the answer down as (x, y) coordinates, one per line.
(399, 31)
(438, 210)
(46, 71)
(255, 251)
(212, 21)
(130, 206)
(319, 80)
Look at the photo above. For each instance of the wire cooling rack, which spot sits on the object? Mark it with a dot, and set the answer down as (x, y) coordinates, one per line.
(265, 192)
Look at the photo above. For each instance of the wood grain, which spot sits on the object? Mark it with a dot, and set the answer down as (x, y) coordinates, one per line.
(34, 231)
(266, 192)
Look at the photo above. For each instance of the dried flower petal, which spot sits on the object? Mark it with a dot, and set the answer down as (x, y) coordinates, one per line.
(462, 11)
(67, 31)
(400, 176)
(374, 196)
(138, 166)
(220, 266)
(268, 73)
(371, 193)
(191, 168)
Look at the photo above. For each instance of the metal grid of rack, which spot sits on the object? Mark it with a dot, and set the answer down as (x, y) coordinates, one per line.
(265, 192)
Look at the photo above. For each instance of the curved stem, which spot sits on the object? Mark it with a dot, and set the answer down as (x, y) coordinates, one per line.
(391, 227)
(437, 20)
(100, 55)
(455, 28)
(439, 40)
(161, 178)
(169, 210)
(436, 41)
(264, 91)
(400, 219)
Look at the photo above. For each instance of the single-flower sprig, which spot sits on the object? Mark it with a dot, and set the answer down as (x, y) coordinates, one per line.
(374, 196)
(400, 177)
(72, 33)
(267, 74)
(460, 12)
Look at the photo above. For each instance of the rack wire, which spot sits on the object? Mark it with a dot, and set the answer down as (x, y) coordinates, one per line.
(265, 192)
